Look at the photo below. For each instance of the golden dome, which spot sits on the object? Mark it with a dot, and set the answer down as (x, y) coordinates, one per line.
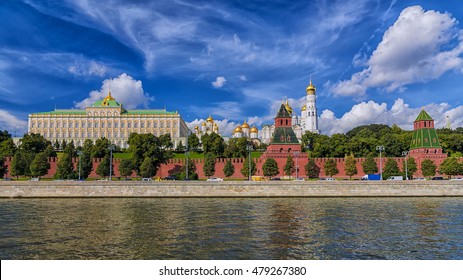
(210, 119)
(288, 108)
(237, 129)
(304, 108)
(196, 127)
(311, 89)
(254, 130)
(245, 125)
(204, 124)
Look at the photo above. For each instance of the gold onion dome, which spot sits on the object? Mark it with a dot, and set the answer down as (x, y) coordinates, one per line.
(196, 127)
(210, 119)
(304, 108)
(288, 108)
(254, 130)
(237, 129)
(204, 124)
(310, 88)
(245, 125)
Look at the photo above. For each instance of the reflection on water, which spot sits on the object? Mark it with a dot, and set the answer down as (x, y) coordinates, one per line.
(272, 228)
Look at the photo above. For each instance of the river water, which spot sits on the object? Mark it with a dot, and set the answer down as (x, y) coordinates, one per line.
(235, 228)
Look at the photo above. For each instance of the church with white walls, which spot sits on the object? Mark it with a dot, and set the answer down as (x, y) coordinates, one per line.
(307, 121)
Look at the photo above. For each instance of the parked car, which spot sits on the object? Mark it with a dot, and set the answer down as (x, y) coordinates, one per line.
(419, 179)
(395, 178)
(299, 179)
(457, 179)
(34, 179)
(437, 178)
(275, 179)
(214, 179)
(327, 179)
(169, 178)
(146, 179)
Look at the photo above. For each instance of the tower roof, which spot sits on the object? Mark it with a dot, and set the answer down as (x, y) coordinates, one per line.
(423, 116)
(108, 101)
(283, 112)
(310, 88)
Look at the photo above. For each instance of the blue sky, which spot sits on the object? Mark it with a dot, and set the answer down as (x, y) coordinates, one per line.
(371, 61)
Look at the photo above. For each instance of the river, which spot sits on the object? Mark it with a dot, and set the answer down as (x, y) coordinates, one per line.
(234, 228)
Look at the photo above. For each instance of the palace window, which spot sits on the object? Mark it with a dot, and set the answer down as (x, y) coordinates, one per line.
(89, 125)
(122, 125)
(109, 125)
(135, 124)
(83, 135)
(142, 124)
(45, 124)
(83, 124)
(116, 125)
(149, 124)
(52, 124)
(102, 125)
(168, 124)
(128, 125)
(155, 124)
(122, 134)
(162, 124)
(96, 124)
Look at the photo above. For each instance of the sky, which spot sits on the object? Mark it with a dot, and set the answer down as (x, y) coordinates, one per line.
(371, 61)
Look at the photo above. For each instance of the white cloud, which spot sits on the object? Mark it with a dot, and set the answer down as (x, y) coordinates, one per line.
(12, 123)
(400, 113)
(419, 47)
(124, 89)
(226, 126)
(243, 78)
(219, 82)
(85, 68)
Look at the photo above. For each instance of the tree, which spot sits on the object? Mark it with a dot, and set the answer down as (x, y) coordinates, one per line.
(369, 166)
(7, 148)
(65, 168)
(289, 166)
(125, 167)
(350, 168)
(180, 147)
(451, 167)
(39, 166)
(71, 149)
(20, 164)
(3, 168)
(4, 135)
(209, 165)
(100, 149)
(86, 164)
(213, 143)
(228, 169)
(428, 168)
(148, 145)
(245, 169)
(147, 168)
(193, 142)
(34, 143)
(330, 168)
(103, 168)
(312, 170)
(270, 167)
(391, 168)
(192, 175)
(237, 148)
(411, 167)
(50, 151)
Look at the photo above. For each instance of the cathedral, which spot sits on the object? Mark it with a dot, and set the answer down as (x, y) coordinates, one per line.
(308, 120)
(207, 127)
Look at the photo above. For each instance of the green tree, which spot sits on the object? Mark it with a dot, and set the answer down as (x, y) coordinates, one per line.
(20, 164)
(3, 168)
(192, 175)
(34, 143)
(39, 166)
(147, 169)
(330, 167)
(65, 168)
(369, 166)
(411, 167)
(451, 167)
(125, 167)
(270, 167)
(50, 151)
(4, 135)
(193, 142)
(148, 145)
(213, 143)
(101, 148)
(391, 168)
(7, 148)
(350, 166)
(228, 169)
(71, 149)
(428, 168)
(312, 170)
(289, 166)
(245, 169)
(103, 168)
(86, 164)
(209, 165)
(237, 148)
(180, 147)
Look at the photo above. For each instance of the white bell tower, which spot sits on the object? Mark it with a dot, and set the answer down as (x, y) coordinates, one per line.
(309, 115)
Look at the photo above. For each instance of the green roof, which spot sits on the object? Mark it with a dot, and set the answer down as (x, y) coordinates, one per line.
(425, 138)
(63, 112)
(149, 112)
(107, 103)
(283, 113)
(284, 135)
(423, 116)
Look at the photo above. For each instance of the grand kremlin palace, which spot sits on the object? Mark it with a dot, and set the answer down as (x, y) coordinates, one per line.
(106, 118)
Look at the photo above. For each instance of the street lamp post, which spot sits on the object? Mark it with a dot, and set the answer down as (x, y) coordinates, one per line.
(111, 149)
(79, 153)
(186, 155)
(249, 152)
(296, 154)
(405, 153)
(380, 149)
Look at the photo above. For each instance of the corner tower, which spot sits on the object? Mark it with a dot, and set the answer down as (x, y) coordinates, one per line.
(309, 110)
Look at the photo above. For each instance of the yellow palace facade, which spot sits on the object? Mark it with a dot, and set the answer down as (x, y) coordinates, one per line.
(107, 118)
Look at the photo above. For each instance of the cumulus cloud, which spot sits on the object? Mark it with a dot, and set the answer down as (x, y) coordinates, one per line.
(400, 113)
(124, 89)
(243, 78)
(219, 82)
(11, 123)
(226, 126)
(420, 46)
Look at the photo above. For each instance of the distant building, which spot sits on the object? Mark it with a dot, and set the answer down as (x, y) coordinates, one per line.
(244, 130)
(106, 118)
(207, 127)
(308, 121)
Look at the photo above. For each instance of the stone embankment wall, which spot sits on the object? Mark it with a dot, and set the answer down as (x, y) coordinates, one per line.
(230, 189)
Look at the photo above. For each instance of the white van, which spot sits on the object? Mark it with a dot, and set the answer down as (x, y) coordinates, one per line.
(396, 178)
